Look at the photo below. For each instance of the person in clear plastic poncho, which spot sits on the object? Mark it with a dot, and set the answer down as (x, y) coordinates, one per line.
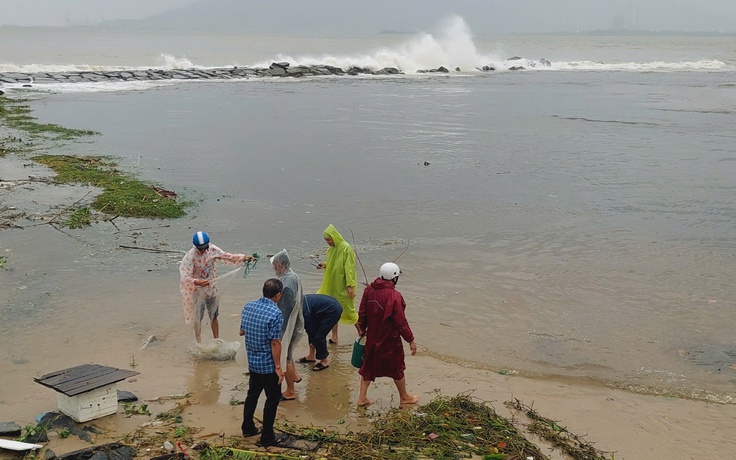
(339, 280)
(197, 282)
(292, 330)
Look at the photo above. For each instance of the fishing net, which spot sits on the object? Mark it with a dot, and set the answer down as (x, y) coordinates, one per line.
(215, 350)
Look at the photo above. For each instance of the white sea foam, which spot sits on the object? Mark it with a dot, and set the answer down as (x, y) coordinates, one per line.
(654, 66)
(452, 46)
(97, 87)
(165, 61)
(171, 62)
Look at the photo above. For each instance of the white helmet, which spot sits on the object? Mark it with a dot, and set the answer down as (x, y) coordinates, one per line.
(390, 270)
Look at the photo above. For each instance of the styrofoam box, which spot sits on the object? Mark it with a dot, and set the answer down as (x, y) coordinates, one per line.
(90, 405)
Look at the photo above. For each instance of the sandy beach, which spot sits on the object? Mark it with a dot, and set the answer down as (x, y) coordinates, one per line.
(630, 425)
(78, 298)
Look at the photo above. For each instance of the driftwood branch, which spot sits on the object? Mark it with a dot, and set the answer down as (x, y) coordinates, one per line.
(62, 212)
(111, 220)
(55, 227)
(150, 249)
(71, 206)
(140, 228)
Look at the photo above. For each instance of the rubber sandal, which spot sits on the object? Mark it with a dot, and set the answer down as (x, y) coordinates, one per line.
(320, 367)
(283, 440)
(284, 398)
(304, 360)
(252, 433)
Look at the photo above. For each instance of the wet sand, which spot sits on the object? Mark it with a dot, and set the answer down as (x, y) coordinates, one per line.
(633, 426)
(76, 297)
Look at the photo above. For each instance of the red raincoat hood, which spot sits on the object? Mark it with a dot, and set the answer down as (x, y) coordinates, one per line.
(380, 283)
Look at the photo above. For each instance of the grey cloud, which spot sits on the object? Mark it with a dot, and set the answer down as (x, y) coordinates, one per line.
(347, 16)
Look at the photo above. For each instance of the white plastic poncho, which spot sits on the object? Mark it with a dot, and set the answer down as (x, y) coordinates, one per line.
(290, 305)
(201, 265)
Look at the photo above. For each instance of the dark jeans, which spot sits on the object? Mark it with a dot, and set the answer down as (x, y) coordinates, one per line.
(257, 384)
(317, 330)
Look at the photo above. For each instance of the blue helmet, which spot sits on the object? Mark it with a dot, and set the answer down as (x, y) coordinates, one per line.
(201, 240)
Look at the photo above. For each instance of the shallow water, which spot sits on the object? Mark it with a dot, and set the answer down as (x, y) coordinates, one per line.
(559, 222)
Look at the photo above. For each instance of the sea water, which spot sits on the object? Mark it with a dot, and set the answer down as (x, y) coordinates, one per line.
(571, 220)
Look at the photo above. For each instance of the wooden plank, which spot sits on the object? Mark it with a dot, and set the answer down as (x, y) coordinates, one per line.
(82, 386)
(84, 378)
(71, 372)
(75, 373)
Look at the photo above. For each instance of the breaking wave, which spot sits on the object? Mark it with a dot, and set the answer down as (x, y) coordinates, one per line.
(453, 47)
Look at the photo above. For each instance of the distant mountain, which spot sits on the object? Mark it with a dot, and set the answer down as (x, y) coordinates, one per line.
(482, 16)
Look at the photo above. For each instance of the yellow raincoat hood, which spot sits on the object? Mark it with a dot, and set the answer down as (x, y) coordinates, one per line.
(339, 274)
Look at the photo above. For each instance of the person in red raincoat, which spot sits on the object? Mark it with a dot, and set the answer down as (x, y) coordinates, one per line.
(382, 320)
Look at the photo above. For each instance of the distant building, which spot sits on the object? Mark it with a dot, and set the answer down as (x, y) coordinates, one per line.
(618, 23)
(634, 17)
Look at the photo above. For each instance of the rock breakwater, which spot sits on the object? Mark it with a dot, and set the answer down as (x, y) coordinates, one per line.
(277, 69)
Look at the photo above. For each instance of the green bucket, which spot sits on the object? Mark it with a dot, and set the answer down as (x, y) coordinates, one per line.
(358, 352)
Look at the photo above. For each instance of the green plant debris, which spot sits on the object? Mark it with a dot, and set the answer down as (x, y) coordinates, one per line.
(16, 114)
(222, 453)
(233, 401)
(64, 433)
(121, 195)
(569, 443)
(173, 415)
(3, 259)
(135, 409)
(31, 431)
(79, 219)
(444, 429)
(9, 144)
(441, 429)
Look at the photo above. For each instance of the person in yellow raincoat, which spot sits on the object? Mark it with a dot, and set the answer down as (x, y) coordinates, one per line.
(340, 278)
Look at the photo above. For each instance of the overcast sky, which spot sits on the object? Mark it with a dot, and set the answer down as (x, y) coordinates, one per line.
(484, 16)
(58, 12)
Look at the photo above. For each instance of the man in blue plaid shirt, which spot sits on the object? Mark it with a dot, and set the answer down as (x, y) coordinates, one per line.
(261, 323)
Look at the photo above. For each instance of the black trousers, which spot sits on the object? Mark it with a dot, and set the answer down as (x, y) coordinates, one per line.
(317, 329)
(256, 384)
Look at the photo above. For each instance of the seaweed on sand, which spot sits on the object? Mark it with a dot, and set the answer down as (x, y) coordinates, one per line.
(443, 429)
(16, 114)
(167, 427)
(570, 444)
(121, 195)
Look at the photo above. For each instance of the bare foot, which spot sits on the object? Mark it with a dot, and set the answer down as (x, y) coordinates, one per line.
(365, 402)
(410, 399)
